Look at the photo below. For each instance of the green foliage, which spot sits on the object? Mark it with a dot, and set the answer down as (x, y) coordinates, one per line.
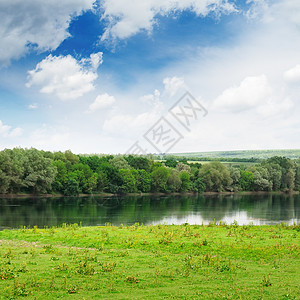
(39, 172)
(159, 179)
(71, 187)
(185, 181)
(34, 171)
(216, 176)
(129, 182)
(174, 182)
(143, 181)
(246, 180)
(171, 162)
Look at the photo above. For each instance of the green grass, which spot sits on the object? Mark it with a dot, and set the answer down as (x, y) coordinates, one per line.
(151, 262)
(227, 163)
(262, 154)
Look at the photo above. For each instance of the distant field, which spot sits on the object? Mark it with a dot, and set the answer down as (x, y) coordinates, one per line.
(228, 163)
(246, 154)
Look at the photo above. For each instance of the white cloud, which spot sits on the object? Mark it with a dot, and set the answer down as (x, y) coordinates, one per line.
(127, 18)
(271, 107)
(151, 99)
(6, 131)
(257, 8)
(49, 137)
(250, 93)
(33, 106)
(35, 24)
(173, 84)
(102, 101)
(64, 76)
(292, 75)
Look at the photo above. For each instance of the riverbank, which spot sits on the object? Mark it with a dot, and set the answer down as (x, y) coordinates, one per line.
(157, 262)
(24, 195)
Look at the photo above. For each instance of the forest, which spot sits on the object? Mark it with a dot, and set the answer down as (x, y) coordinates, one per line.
(34, 171)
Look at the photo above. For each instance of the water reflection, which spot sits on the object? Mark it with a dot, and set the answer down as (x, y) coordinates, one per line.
(200, 209)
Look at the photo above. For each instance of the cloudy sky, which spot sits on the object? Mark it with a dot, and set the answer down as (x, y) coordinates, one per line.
(95, 76)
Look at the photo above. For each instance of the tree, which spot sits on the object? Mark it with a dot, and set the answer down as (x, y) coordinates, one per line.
(185, 181)
(61, 177)
(261, 178)
(174, 181)
(139, 162)
(71, 187)
(246, 180)
(159, 179)
(119, 162)
(85, 177)
(143, 181)
(171, 162)
(183, 167)
(235, 175)
(216, 176)
(129, 182)
(198, 185)
(39, 172)
(297, 175)
(102, 182)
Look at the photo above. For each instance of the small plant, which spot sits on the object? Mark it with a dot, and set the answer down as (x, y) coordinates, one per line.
(20, 289)
(205, 242)
(266, 281)
(108, 267)
(132, 279)
(72, 289)
(85, 268)
(6, 273)
(48, 248)
(23, 268)
(62, 267)
(8, 254)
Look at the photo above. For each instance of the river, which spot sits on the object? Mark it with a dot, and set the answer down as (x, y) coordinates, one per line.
(127, 210)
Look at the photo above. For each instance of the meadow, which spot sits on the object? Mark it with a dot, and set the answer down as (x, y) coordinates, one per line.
(216, 261)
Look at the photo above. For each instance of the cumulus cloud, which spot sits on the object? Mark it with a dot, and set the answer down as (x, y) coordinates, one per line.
(292, 75)
(173, 84)
(65, 76)
(256, 94)
(102, 101)
(6, 131)
(251, 92)
(127, 18)
(35, 24)
(151, 99)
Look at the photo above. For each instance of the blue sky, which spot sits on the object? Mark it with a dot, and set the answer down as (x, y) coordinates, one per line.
(94, 77)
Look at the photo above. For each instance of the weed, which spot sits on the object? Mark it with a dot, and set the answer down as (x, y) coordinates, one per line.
(23, 268)
(266, 281)
(132, 279)
(85, 268)
(107, 267)
(6, 273)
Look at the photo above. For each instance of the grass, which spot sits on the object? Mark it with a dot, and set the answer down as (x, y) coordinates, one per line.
(217, 261)
(228, 163)
(262, 154)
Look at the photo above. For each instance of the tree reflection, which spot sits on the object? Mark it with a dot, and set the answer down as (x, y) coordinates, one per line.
(267, 208)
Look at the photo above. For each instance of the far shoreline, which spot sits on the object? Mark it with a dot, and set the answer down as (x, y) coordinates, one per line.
(23, 195)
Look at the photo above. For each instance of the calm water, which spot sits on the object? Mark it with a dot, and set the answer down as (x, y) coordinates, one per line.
(266, 209)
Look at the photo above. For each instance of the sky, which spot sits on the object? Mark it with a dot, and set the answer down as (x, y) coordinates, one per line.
(104, 76)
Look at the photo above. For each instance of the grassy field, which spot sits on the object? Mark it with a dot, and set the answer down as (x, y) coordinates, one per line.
(227, 163)
(262, 154)
(151, 262)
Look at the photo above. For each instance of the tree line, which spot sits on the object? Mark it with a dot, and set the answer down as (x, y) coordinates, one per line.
(37, 172)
